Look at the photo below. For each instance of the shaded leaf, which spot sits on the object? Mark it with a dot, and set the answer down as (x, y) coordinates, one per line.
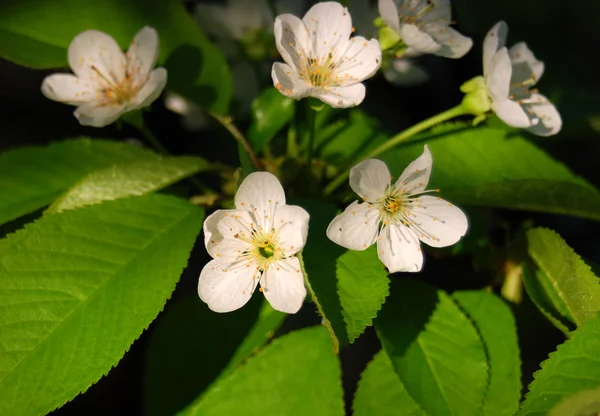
(434, 348)
(271, 111)
(76, 290)
(296, 374)
(583, 403)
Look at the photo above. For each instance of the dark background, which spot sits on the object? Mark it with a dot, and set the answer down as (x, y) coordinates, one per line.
(564, 34)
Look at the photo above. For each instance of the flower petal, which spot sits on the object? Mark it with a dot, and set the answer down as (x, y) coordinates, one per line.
(68, 89)
(261, 194)
(440, 223)
(389, 14)
(225, 287)
(439, 12)
(98, 115)
(220, 229)
(292, 40)
(418, 40)
(283, 285)
(399, 250)
(511, 113)
(493, 42)
(356, 228)
(452, 44)
(415, 177)
(405, 73)
(361, 60)
(499, 75)
(329, 25)
(142, 53)
(370, 179)
(526, 69)
(341, 97)
(288, 82)
(549, 121)
(94, 54)
(151, 89)
(291, 224)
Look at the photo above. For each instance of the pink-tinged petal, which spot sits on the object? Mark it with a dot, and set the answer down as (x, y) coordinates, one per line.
(288, 82)
(225, 287)
(283, 285)
(511, 113)
(96, 55)
(437, 222)
(329, 26)
(291, 225)
(360, 61)
(370, 179)
(292, 40)
(388, 9)
(498, 78)
(142, 53)
(356, 228)
(98, 115)
(341, 97)
(399, 250)
(220, 229)
(152, 88)
(68, 89)
(548, 118)
(493, 42)
(416, 175)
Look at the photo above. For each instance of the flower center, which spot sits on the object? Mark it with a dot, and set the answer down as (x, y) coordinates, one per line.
(111, 91)
(267, 249)
(392, 203)
(320, 75)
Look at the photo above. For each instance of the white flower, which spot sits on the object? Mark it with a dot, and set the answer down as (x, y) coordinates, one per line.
(107, 82)
(256, 242)
(322, 61)
(424, 26)
(396, 216)
(509, 74)
(405, 72)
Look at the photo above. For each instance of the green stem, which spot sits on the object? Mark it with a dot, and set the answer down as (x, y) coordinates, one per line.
(311, 123)
(400, 138)
(292, 145)
(227, 122)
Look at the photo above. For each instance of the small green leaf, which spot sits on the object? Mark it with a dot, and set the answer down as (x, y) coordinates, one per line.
(129, 179)
(568, 283)
(363, 285)
(77, 288)
(37, 33)
(434, 348)
(498, 170)
(380, 392)
(583, 403)
(297, 374)
(573, 368)
(271, 111)
(496, 325)
(33, 177)
(191, 346)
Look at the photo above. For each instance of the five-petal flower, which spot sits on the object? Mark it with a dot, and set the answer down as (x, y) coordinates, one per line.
(322, 60)
(107, 82)
(396, 216)
(424, 26)
(509, 74)
(256, 242)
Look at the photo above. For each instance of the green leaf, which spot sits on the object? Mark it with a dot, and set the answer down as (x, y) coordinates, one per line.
(496, 326)
(37, 33)
(380, 392)
(363, 285)
(271, 111)
(77, 288)
(297, 374)
(129, 179)
(191, 347)
(574, 367)
(568, 283)
(435, 349)
(499, 170)
(583, 403)
(33, 177)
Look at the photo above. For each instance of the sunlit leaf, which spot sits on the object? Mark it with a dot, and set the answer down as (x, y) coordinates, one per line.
(271, 111)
